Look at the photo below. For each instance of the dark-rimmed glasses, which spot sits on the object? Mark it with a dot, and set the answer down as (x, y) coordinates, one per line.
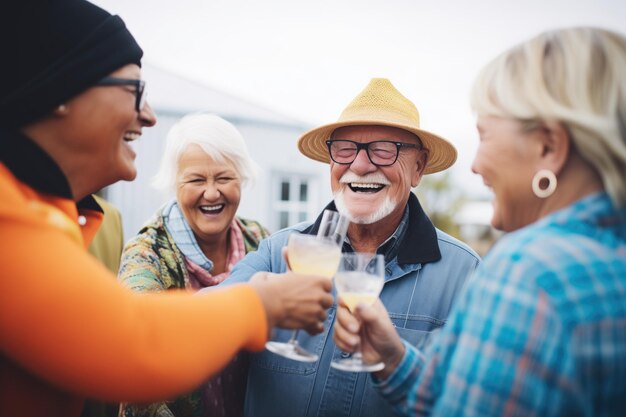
(381, 153)
(139, 91)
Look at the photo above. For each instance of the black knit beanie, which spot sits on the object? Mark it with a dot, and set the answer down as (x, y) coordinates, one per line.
(53, 50)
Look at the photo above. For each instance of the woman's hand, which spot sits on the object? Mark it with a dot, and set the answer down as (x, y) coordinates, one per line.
(294, 301)
(371, 331)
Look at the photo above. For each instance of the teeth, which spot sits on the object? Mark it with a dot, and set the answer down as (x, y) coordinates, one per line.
(355, 185)
(212, 208)
(131, 136)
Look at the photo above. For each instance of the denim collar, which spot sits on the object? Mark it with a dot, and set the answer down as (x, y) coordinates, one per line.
(414, 240)
(391, 246)
(35, 168)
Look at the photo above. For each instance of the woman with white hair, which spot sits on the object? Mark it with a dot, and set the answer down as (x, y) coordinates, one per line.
(541, 328)
(194, 241)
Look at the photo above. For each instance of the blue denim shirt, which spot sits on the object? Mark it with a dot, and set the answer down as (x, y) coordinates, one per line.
(422, 280)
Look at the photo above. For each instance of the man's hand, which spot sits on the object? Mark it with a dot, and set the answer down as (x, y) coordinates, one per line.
(371, 331)
(294, 301)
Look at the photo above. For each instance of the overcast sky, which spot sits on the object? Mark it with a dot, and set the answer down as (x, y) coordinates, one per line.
(309, 59)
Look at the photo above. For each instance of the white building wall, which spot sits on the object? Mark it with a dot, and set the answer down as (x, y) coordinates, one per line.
(274, 149)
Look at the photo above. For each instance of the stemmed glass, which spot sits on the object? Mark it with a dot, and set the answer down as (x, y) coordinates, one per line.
(313, 255)
(359, 279)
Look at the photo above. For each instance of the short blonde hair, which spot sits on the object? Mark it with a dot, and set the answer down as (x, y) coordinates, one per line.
(575, 76)
(217, 137)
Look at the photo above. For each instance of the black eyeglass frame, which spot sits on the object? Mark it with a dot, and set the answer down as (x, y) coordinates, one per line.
(140, 88)
(366, 146)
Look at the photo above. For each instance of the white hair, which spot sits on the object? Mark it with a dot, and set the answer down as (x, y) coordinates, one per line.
(574, 76)
(217, 137)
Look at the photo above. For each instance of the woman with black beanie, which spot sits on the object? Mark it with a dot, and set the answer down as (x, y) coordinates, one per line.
(71, 101)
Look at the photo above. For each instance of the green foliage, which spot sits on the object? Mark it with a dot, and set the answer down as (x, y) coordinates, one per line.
(441, 200)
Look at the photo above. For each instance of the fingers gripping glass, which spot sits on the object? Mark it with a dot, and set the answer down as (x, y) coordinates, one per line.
(359, 279)
(140, 88)
(381, 153)
(317, 255)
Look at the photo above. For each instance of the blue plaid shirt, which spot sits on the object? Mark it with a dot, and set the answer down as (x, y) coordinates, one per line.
(539, 331)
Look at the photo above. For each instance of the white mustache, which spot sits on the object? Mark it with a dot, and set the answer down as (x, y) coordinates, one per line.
(374, 177)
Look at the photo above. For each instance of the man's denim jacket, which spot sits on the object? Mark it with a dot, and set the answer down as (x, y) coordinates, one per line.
(422, 281)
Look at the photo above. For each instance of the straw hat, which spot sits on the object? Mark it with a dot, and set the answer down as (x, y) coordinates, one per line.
(380, 104)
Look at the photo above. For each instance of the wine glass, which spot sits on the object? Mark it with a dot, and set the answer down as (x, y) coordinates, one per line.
(313, 255)
(359, 279)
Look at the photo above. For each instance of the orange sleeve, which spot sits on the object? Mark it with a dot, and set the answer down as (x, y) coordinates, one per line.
(64, 318)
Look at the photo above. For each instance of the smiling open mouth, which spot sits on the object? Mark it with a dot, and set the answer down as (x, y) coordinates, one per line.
(216, 209)
(365, 188)
(131, 136)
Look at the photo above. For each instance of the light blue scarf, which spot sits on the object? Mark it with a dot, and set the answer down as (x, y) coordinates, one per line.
(179, 229)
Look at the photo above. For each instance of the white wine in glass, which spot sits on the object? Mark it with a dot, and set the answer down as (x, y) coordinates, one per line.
(359, 279)
(313, 255)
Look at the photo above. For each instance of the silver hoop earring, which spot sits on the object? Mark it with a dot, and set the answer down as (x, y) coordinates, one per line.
(544, 174)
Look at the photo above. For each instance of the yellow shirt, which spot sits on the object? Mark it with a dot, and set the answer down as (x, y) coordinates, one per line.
(108, 243)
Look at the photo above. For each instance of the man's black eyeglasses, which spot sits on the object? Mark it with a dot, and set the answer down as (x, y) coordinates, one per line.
(381, 153)
(140, 89)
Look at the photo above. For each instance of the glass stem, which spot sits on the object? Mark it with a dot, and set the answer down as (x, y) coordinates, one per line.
(293, 340)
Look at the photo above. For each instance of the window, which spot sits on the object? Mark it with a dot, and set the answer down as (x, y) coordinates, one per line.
(293, 201)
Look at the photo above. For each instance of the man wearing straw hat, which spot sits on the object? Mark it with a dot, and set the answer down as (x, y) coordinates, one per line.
(377, 154)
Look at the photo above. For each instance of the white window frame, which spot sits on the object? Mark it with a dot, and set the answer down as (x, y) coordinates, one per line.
(297, 210)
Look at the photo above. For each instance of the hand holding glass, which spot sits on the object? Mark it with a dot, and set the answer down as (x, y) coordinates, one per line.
(313, 255)
(359, 279)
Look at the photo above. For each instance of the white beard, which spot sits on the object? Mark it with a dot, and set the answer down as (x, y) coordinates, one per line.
(380, 213)
(383, 210)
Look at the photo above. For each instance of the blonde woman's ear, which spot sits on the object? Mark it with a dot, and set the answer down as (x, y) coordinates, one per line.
(556, 146)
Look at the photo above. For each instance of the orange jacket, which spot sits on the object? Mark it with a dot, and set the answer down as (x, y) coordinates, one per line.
(68, 330)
